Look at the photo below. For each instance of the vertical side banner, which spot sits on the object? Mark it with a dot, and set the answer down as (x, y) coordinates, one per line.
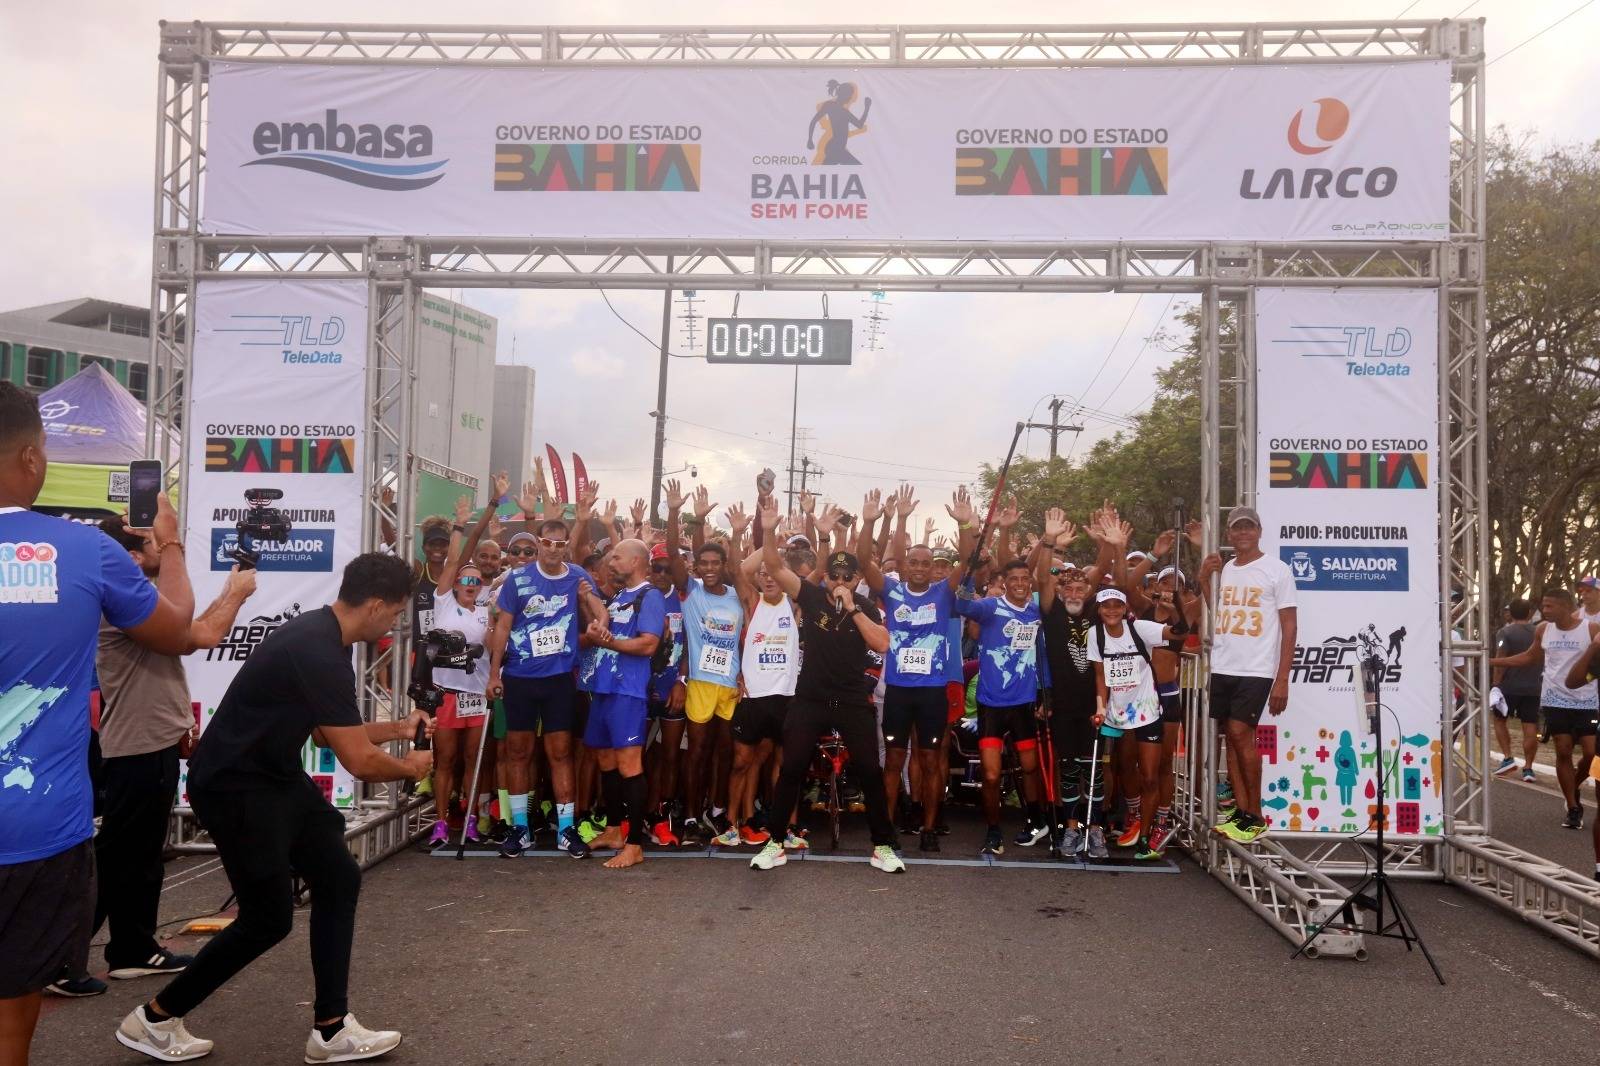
(558, 474)
(1347, 452)
(277, 391)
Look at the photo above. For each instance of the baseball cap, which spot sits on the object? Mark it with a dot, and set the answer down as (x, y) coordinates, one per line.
(1110, 594)
(1243, 514)
(658, 552)
(944, 555)
(843, 561)
(435, 534)
(1170, 571)
(1590, 582)
(798, 541)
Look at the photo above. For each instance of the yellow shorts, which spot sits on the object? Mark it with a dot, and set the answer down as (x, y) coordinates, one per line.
(705, 700)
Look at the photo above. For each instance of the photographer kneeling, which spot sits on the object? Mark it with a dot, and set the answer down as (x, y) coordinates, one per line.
(266, 816)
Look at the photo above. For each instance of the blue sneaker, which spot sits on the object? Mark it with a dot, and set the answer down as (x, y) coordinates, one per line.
(571, 843)
(515, 843)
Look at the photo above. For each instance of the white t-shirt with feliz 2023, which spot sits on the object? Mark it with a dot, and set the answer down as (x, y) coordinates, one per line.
(1247, 634)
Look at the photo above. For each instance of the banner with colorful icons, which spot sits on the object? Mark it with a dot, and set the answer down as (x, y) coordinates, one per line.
(1255, 152)
(277, 390)
(1347, 462)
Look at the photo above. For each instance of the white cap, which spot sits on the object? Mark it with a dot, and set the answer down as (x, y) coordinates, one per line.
(1110, 594)
(1169, 571)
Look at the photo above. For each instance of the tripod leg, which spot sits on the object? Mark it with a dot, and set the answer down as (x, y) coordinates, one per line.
(472, 790)
(1404, 921)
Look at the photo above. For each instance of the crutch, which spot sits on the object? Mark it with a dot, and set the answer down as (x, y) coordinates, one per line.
(1094, 768)
(472, 790)
(1052, 779)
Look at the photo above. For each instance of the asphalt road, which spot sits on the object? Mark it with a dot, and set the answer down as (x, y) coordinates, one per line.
(544, 959)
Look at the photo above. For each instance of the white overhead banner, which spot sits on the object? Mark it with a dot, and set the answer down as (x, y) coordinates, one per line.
(277, 400)
(1271, 153)
(1347, 461)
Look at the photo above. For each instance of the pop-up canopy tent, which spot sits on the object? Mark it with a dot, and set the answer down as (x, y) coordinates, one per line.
(93, 428)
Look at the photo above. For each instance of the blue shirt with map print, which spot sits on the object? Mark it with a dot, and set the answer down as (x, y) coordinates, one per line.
(1008, 650)
(56, 579)
(919, 634)
(544, 620)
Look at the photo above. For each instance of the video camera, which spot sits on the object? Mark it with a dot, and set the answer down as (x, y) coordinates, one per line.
(447, 648)
(261, 523)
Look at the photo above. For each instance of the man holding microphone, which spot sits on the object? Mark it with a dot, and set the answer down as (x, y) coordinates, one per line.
(267, 818)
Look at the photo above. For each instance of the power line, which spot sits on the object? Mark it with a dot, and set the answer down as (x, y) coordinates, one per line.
(1408, 7)
(1112, 350)
(655, 345)
(1142, 348)
(1541, 33)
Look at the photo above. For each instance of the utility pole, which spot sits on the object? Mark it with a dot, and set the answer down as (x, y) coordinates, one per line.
(808, 469)
(660, 413)
(1054, 428)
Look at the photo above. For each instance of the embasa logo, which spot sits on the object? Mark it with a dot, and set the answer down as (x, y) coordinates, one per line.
(1332, 119)
(367, 155)
(1330, 123)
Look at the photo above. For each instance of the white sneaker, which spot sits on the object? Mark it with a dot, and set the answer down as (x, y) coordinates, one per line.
(355, 1041)
(729, 839)
(884, 858)
(770, 857)
(168, 1040)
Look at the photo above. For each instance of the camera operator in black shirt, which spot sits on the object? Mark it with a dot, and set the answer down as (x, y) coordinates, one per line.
(267, 817)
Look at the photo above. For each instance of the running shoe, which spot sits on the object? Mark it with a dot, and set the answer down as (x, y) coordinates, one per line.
(855, 803)
(1528, 776)
(1156, 846)
(591, 827)
(77, 987)
(1030, 834)
(1506, 766)
(571, 843)
(1221, 827)
(691, 832)
(515, 843)
(473, 834)
(930, 840)
(163, 961)
(910, 817)
(795, 840)
(425, 786)
(1226, 804)
(1245, 829)
(770, 857)
(1574, 819)
(1097, 843)
(813, 796)
(663, 833)
(351, 1043)
(884, 858)
(993, 843)
(940, 827)
(498, 831)
(1071, 841)
(718, 822)
(749, 834)
(441, 834)
(166, 1040)
(728, 838)
(1131, 834)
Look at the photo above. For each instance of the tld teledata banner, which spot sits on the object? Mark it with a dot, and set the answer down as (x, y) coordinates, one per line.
(277, 387)
(1347, 462)
(1275, 153)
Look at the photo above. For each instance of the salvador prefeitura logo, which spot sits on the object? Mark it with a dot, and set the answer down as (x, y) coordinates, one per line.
(395, 157)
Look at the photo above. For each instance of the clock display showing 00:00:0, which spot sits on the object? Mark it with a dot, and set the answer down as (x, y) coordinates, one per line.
(789, 341)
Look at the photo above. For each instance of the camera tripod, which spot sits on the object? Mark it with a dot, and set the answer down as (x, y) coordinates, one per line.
(1374, 891)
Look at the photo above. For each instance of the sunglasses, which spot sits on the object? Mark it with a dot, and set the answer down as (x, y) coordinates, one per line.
(520, 551)
(548, 543)
(660, 568)
(470, 582)
(841, 575)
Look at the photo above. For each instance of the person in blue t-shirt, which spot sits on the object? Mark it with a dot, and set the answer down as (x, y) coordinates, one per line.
(917, 612)
(56, 580)
(666, 699)
(1008, 692)
(532, 653)
(619, 715)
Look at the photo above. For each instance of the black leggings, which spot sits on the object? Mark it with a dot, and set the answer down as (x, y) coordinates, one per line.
(857, 724)
(261, 836)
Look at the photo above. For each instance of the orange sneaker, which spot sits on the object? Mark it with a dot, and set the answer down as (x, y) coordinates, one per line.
(751, 835)
(1130, 835)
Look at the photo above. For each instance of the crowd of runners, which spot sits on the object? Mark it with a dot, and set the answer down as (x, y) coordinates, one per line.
(670, 686)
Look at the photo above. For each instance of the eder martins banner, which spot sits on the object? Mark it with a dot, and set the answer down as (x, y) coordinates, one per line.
(277, 396)
(1347, 461)
(1336, 152)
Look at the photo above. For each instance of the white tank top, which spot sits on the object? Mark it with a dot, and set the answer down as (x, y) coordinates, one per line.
(1561, 647)
(472, 624)
(771, 659)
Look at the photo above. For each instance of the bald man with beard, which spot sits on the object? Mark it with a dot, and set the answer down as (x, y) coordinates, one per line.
(619, 714)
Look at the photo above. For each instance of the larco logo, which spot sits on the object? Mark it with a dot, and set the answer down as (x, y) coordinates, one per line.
(1312, 131)
(1332, 120)
(393, 157)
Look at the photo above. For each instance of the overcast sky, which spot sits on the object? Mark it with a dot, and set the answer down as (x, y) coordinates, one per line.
(953, 373)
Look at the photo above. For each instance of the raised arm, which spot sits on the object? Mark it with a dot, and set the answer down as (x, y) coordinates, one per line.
(582, 510)
(1005, 520)
(702, 507)
(738, 522)
(216, 621)
(675, 562)
(905, 504)
(960, 509)
(1056, 526)
(777, 568)
(1533, 656)
(167, 629)
(871, 508)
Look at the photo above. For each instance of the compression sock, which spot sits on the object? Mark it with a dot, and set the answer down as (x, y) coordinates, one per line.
(1134, 805)
(505, 804)
(519, 811)
(564, 812)
(1163, 815)
(635, 792)
(611, 795)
